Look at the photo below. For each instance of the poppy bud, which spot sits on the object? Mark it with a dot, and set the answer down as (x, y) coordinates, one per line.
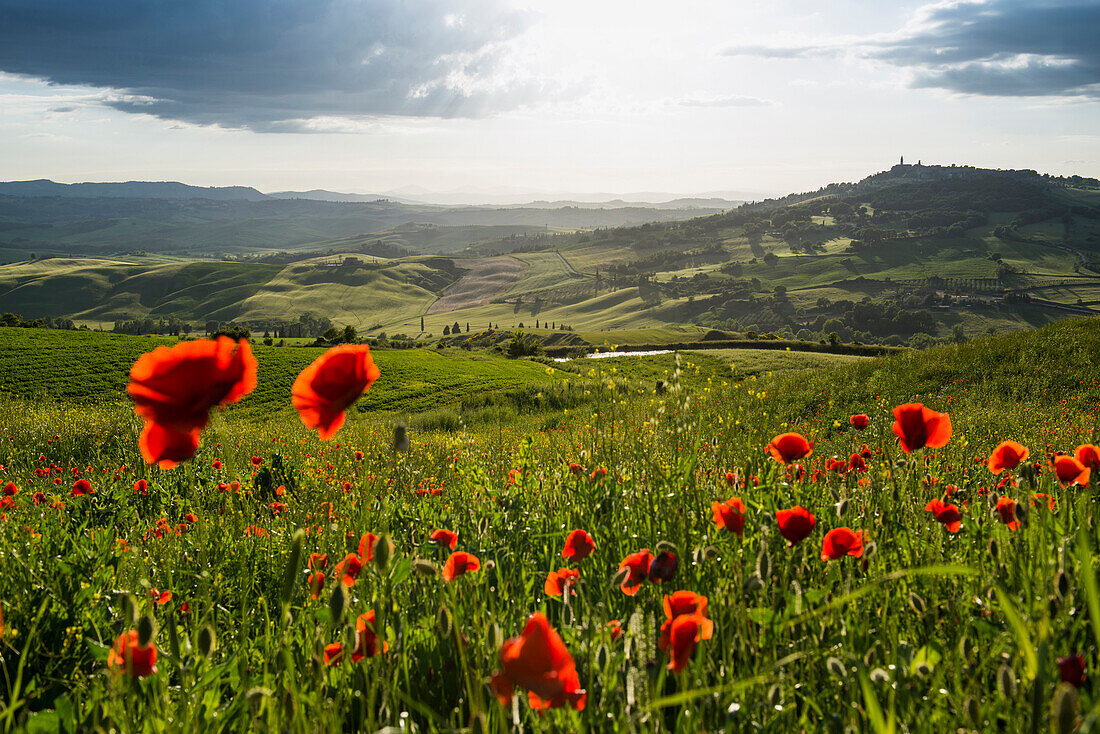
(870, 550)
(206, 641)
(145, 630)
(754, 583)
(337, 603)
(383, 549)
(620, 578)
(994, 548)
(443, 621)
(425, 568)
(478, 725)
(1061, 584)
(993, 498)
(1006, 681)
(775, 694)
(290, 576)
(924, 669)
(1054, 605)
(666, 545)
(1063, 709)
(973, 712)
(916, 603)
(842, 507)
(880, 676)
(836, 668)
(710, 553)
(400, 438)
(483, 526)
(129, 609)
(764, 565)
(350, 636)
(495, 637)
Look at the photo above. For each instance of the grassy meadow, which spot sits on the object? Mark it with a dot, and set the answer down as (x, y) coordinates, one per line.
(925, 631)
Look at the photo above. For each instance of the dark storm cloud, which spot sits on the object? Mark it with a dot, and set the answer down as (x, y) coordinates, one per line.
(993, 48)
(272, 64)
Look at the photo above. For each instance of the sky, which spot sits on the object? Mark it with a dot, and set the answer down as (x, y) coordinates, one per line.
(526, 97)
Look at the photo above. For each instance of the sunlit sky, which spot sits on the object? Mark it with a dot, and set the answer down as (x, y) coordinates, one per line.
(535, 98)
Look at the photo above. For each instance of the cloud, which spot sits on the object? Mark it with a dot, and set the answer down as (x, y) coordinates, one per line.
(732, 100)
(275, 65)
(991, 48)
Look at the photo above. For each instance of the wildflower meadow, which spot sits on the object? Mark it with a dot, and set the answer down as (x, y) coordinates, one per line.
(904, 544)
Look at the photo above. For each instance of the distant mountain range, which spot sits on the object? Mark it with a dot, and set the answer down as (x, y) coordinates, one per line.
(413, 196)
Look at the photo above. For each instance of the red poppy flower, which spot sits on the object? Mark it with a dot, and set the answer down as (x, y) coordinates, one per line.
(1006, 511)
(683, 636)
(1088, 455)
(277, 508)
(917, 426)
(366, 640)
(329, 386)
(557, 580)
(459, 563)
(82, 487)
(174, 388)
(334, 653)
(317, 561)
(1071, 471)
(358, 455)
(38, 498)
(1007, 455)
(444, 537)
(637, 565)
(348, 570)
(856, 462)
(859, 421)
(1071, 669)
(663, 567)
(795, 524)
(788, 447)
(127, 656)
(729, 515)
(616, 629)
(948, 515)
(840, 542)
(679, 604)
(537, 661)
(316, 582)
(578, 546)
(10, 490)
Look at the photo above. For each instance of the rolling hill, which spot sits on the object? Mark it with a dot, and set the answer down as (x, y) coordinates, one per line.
(912, 255)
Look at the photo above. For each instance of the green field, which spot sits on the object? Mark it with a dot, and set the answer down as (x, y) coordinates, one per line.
(925, 630)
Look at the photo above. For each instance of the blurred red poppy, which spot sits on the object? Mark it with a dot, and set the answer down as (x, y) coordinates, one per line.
(81, 487)
(856, 462)
(556, 581)
(948, 515)
(537, 661)
(840, 542)
(637, 566)
(348, 570)
(316, 582)
(174, 388)
(1071, 471)
(445, 538)
(1007, 455)
(10, 490)
(331, 384)
(578, 546)
(795, 524)
(859, 421)
(788, 447)
(127, 656)
(459, 563)
(334, 653)
(917, 426)
(160, 598)
(616, 629)
(1089, 456)
(1071, 669)
(366, 638)
(663, 567)
(1043, 500)
(729, 515)
(1006, 512)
